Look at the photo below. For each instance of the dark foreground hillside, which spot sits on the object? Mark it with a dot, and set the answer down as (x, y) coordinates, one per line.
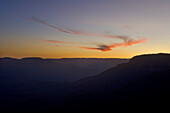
(141, 83)
(149, 92)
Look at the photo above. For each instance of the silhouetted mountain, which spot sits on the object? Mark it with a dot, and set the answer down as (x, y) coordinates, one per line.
(139, 83)
(122, 74)
(147, 93)
(143, 81)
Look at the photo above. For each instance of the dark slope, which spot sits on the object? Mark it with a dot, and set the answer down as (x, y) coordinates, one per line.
(123, 74)
(141, 83)
(144, 93)
(150, 88)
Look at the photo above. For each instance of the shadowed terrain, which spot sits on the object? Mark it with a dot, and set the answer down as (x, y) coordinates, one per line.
(29, 80)
(143, 83)
(139, 83)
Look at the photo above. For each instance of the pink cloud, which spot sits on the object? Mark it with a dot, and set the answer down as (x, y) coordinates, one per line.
(127, 40)
(55, 41)
(104, 48)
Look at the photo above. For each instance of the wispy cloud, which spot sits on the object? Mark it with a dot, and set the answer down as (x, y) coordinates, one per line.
(76, 32)
(39, 21)
(103, 47)
(56, 41)
(54, 27)
(127, 41)
(53, 41)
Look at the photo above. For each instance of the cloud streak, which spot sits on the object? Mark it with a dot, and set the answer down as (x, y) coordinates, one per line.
(104, 48)
(39, 21)
(77, 32)
(69, 31)
(55, 41)
(127, 41)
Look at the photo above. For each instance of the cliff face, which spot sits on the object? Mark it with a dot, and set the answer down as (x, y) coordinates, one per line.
(152, 63)
(122, 74)
(141, 83)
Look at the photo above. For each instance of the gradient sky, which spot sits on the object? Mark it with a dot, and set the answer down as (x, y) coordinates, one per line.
(83, 28)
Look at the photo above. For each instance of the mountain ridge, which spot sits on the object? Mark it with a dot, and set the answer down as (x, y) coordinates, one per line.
(1, 58)
(144, 80)
(152, 88)
(117, 77)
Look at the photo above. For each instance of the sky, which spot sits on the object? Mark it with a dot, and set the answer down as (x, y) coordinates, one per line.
(84, 28)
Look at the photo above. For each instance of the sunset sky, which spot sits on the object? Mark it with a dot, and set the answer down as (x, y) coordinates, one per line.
(83, 28)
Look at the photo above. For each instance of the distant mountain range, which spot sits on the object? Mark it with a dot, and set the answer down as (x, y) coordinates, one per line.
(58, 70)
(27, 79)
(139, 83)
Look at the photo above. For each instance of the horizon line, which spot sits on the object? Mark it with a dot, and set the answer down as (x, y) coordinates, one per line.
(80, 57)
